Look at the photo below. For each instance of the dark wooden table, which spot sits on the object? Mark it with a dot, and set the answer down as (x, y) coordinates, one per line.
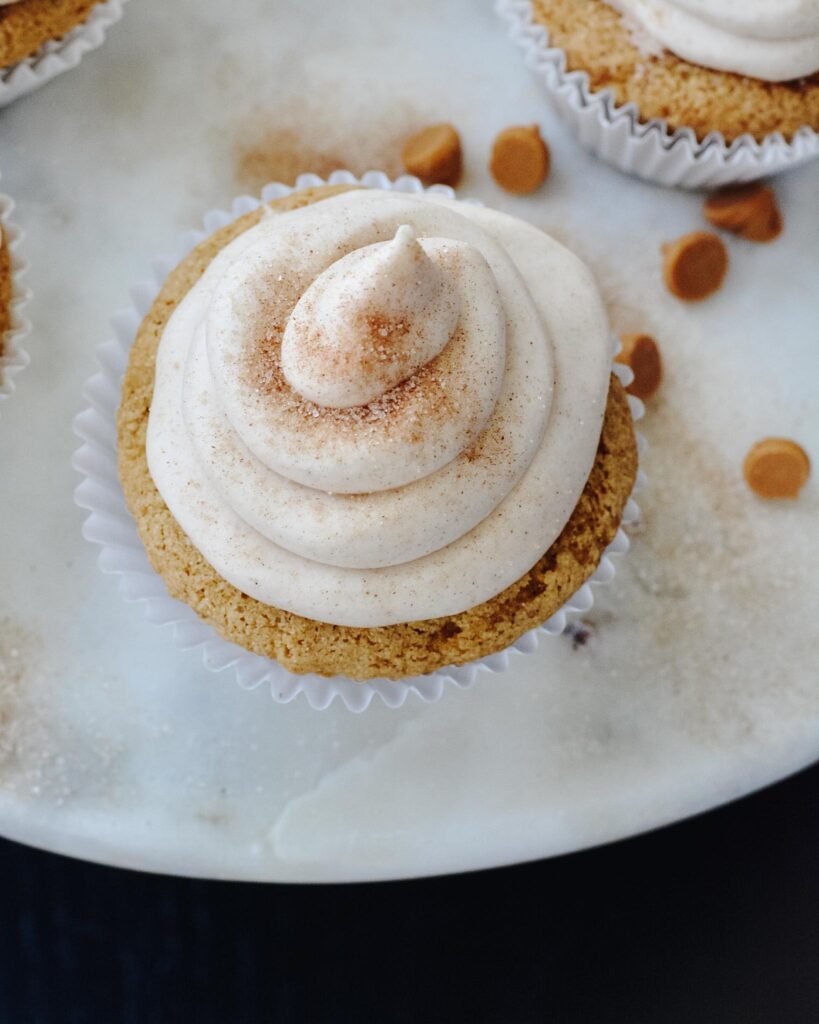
(713, 921)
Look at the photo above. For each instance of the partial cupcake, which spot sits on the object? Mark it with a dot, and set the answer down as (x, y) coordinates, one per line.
(373, 434)
(5, 290)
(739, 83)
(13, 327)
(42, 38)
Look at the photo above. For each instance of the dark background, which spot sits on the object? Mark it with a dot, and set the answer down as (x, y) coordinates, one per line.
(713, 920)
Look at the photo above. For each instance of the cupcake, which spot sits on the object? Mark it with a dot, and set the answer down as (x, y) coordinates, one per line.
(42, 38)
(13, 327)
(684, 92)
(372, 434)
(5, 290)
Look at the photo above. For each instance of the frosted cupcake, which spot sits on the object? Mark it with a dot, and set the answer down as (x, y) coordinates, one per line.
(374, 434)
(42, 38)
(707, 72)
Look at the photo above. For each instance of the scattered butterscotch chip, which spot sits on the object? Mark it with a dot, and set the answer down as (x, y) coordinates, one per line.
(641, 353)
(776, 468)
(694, 266)
(750, 211)
(764, 228)
(434, 155)
(520, 159)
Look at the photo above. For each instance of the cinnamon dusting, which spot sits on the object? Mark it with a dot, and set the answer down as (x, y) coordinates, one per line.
(305, 136)
(416, 399)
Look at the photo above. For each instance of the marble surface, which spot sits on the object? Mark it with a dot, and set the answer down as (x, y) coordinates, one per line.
(697, 678)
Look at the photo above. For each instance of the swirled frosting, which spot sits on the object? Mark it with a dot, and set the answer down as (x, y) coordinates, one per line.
(380, 408)
(774, 40)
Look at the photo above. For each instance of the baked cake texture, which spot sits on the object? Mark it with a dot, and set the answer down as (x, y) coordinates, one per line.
(27, 24)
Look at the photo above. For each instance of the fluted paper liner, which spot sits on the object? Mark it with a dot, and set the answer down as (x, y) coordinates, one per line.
(59, 55)
(111, 525)
(649, 149)
(14, 358)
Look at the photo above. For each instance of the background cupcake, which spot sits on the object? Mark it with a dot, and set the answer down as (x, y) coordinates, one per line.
(13, 327)
(683, 94)
(40, 39)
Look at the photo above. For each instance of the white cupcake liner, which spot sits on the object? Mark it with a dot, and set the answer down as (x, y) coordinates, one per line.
(14, 358)
(59, 55)
(111, 525)
(649, 149)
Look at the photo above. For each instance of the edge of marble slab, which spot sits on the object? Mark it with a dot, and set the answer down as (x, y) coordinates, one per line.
(43, 832)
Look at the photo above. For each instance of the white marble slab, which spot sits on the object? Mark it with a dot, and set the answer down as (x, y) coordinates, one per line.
(700, 679)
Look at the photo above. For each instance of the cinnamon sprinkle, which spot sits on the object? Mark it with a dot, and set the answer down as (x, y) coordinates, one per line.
(423, 390)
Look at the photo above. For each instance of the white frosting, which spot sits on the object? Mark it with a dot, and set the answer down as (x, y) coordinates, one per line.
(774, 40)
(488, 392)
(370, 321)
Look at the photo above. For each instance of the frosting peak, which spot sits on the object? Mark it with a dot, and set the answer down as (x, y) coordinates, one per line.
(370, 321)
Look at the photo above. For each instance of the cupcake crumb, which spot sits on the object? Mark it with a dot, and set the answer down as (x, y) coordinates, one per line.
(695, 265)
(520, 160)
(641, 354)
(434, 155)
(750, 211)
(776, 467)
(580, 633)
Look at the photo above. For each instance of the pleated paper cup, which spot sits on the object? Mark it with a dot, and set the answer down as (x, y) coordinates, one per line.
(648, 149)
(111, 525)
(14, 357)
(59, 55)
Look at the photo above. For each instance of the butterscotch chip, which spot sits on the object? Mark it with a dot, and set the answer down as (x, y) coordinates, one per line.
(434, 155)
(641, 353)
(750, 211)
(694, 266)
(776, 468)
(765, 227)
(27, 24)
(520, 159)
(731, 208)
